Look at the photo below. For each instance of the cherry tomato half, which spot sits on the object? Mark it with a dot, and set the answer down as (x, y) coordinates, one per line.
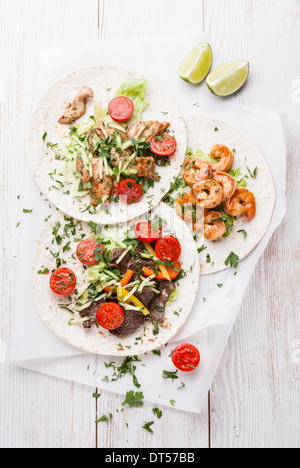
(165, 147)
(186, 357)
(168, 248)
(63, 281)
(144, 232)
(129, 191)
(87, 251)
(110, 316)
(121, 109)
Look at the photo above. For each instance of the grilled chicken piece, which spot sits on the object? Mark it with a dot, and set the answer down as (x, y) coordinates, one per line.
(110, 132)
(77, 107)
(102, 189)
(117, 157)
(147, 130)
(85, 174)
(145, 167)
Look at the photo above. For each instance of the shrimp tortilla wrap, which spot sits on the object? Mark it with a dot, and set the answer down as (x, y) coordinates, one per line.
(251, 173)
(80, 154)
(156, 309)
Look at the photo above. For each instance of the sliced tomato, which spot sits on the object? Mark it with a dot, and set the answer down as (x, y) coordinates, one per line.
(164, 145)
(168, 249)
(145, 233)
(186, 357)
(87, 251)
(172, 271)
(121, 109)
(110, 316)
(129, 191)
(63, 281)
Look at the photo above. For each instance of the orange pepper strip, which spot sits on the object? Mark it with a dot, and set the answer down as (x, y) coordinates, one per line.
(125, 280)
(171, 271)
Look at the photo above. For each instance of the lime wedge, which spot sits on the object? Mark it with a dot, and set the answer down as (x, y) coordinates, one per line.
(228, 78)
(196, 64)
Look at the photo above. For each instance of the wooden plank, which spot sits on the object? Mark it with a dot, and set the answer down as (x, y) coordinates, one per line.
(36, 410)
(129, 20)
(135, 19)
(254, 397)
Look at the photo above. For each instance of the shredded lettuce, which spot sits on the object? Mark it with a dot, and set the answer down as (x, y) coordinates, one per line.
(134, 89)
(173, 296)
(201, 155)
(94, 273)
(99, 113)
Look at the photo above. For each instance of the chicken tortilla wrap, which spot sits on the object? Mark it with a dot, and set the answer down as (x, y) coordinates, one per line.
(105, 143)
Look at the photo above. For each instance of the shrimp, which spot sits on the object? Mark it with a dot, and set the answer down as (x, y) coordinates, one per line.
(228, 183)
(212, 225)
(196, 170)
(185, 206)
(225, 157)
(241, 204)
(208, 193)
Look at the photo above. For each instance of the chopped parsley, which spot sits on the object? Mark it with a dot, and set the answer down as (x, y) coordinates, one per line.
(147, 426)
(170, 375)
(244, 232)
(134, 399)
(157, 412)
(104, 418)
(232, 260)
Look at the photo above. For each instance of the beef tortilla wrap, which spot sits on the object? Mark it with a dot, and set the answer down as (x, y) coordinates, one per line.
(80, 177)
(73, 317)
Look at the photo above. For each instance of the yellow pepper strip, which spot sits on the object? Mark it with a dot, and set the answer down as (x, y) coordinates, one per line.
(161, 267)
(132, 299)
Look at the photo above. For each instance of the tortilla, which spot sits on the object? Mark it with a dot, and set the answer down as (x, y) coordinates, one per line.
(98, 340)
(104, 80)
(202, 134)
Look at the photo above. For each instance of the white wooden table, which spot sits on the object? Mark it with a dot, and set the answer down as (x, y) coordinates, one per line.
(254, 399)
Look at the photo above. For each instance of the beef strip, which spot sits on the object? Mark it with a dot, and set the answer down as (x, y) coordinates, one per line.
(137, 262)
(77, 107)
(91, 313)
(124, 263)
(158, 304)
(133, 321)
(132, 261)
(145, 296)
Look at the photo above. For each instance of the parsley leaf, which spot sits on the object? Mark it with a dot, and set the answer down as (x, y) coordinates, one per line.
(170, 375)
(244, 232)
(134, 399)
(104, 418)
(147, 426)
(232, 260)
(157, 412)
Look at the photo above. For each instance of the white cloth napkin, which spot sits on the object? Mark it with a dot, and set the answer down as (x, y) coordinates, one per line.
(34, 347)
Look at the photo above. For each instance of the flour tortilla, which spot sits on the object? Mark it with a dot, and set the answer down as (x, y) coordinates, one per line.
(97, 340)
(203, 133)
(104, 80)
